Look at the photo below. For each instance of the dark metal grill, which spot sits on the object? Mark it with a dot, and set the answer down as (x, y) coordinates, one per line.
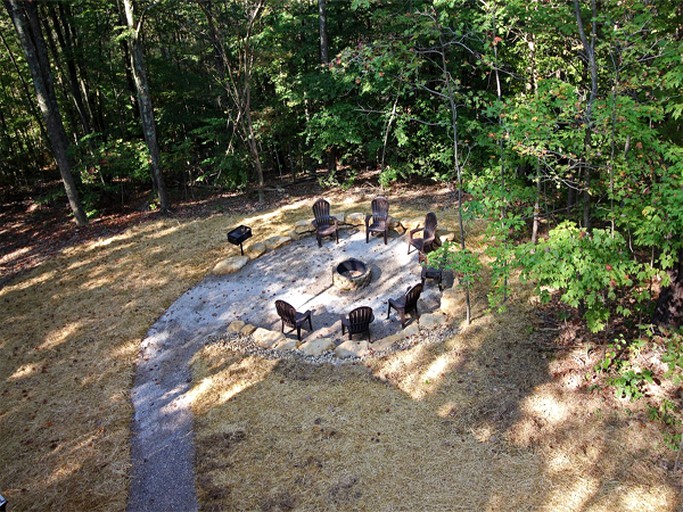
(239, 235)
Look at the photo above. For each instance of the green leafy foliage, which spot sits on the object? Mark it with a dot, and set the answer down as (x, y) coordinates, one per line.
(592, 271)
(668, 415)
(464, 264)
(673, 357)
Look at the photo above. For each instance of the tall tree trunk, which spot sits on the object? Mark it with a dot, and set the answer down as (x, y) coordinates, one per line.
(26, 22)
(448, 79)
(149, 128)
(589, 50)
(25, 88)
(322, 23)
(236, 79)
(70, 115)
(501, 144)
(325, 60)
(537, 179)
(130, 82)
(63, 34)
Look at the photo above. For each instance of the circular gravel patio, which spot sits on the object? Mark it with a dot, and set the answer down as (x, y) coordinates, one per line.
(301, 273)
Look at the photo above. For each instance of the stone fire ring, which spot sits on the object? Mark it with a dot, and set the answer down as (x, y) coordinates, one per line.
(351, 275)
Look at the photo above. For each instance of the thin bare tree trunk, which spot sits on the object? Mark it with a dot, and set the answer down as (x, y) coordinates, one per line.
(63, 35)
(26, 22)
(589, 49)
(322, 22)
(236, 79)
(25, 87)
(145, 102)
(456, 154)
(324, 60)
(537, 178)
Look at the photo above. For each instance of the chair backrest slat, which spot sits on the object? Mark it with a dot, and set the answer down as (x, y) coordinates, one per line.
(412, 296)
(359, 319)
(380, 208)
(286, 312)
(321, 211)
(430, 225)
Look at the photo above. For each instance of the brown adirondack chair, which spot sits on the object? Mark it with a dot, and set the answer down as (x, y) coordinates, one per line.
(429, 240)
(406, 304)
(292, 318)
(379, 218)
(358, 321)
(324, 223)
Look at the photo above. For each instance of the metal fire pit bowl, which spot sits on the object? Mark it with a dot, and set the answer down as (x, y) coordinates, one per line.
(351, 275)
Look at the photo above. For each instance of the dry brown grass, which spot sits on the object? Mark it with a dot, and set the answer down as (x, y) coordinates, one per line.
(490, 419)
(70, 336)
(480, 422)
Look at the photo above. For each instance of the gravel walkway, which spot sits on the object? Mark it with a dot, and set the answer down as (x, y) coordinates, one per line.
(300, 273)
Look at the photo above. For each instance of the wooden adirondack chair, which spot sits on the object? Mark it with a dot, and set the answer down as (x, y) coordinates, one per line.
(324, 223)
(379, 218)
(358, 321)
(292, 318)
(429, 240)
(406, 304)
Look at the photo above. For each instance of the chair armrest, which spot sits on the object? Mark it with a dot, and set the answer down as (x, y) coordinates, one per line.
(367, 219)
(413, 231)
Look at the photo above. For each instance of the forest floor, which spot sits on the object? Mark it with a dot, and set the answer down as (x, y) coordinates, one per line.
(496, 415)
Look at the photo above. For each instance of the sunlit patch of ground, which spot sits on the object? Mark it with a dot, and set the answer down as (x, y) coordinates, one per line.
(488, 419)
(483, 421)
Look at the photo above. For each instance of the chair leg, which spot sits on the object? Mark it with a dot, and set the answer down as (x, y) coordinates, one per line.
(388, 310)
(336, 234)
(385, 236)
(282, 326)
(402, 312)
(367, 235)
(298, 332)
(320, 242)
(310, 325)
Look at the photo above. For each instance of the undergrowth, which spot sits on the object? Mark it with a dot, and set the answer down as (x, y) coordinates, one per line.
(649, 368)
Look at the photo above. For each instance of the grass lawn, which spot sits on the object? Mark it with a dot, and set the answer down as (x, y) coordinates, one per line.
(494, 417)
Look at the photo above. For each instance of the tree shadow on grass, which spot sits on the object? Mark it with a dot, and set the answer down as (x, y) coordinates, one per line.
(481, 421)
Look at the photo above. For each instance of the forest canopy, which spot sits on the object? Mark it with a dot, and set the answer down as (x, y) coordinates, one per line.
(559, 119)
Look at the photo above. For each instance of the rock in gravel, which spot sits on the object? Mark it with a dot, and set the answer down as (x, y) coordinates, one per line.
(453, 303)
(352, 348)
(274, 242)
(386, 343)
(230, 265)
(265, 338)
(285, 345)
(247, 330)
(317, 347)
(235, 327)
(432, 320)
(355, 219)
(255, 250)
(411, 330)
(303, 226)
